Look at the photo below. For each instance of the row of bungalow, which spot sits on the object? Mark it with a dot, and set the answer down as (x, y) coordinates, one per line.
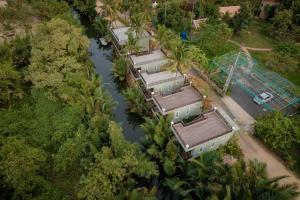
(173, 94)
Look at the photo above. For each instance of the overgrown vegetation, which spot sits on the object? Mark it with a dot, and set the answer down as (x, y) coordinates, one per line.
(208, 176)
(284, 59)
(120, 68)
(281, 134)
(59, 141)
(136, 101)
(58, 138)
(232, 148)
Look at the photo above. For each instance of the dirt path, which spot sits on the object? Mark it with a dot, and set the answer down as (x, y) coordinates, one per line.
(243, 47)
(254, 149)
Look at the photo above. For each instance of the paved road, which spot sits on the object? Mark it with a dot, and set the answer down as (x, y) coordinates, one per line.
(246, 102)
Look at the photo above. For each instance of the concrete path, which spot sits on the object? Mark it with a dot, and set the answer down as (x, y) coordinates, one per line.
(245, 120)
(254, 149)
(251, 147)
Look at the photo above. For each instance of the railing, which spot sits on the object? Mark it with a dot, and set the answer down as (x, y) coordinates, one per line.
(147, 94)
(134, 72)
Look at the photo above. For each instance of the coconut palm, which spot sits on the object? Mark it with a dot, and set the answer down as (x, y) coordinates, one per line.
(209, 177)
(136, 102)
(120, 68)
(132, 46)
(160, 143)
(163, 36)
(181, 56)
(111, 8)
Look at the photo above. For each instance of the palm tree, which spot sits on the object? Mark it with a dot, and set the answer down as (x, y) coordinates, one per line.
(132, 46)
(181, 56)
(136, 102)
(111, 8)
(120, 68)
(160, 143)
(207, 176)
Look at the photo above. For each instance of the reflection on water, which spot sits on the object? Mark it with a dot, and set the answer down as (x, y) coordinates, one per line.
(101, 56)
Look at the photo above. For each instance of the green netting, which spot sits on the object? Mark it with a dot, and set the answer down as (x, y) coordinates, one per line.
(254, 79)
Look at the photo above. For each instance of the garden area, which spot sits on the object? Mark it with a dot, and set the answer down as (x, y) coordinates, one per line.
(255, 35)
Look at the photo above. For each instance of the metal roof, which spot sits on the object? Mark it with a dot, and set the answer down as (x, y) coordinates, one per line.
(208, 126)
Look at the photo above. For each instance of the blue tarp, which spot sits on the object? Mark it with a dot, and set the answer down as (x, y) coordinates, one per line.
(184, 36)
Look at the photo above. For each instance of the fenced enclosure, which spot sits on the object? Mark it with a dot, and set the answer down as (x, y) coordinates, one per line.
(254, 79)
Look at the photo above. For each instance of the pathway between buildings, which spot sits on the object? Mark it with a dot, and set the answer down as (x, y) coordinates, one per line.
(251, 147)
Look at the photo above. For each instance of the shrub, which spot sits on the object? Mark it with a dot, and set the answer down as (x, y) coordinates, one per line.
(280, 133)
(119, 69)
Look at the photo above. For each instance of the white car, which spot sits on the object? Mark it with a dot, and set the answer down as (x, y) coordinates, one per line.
(263, 97)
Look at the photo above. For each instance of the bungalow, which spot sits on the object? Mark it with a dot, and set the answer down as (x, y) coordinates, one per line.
(231, 10)
(184, 103)
(120, 39)
(150, 63)
(163, 82)
(204, 133)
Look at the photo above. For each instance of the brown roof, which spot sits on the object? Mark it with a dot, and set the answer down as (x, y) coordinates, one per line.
(209, 126)
(231, 10)
(185, 96)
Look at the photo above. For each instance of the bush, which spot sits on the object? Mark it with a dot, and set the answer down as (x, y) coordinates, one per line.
(21, 51)
(280, 133)
(287, 48)
(136, 102)
(50, 8)
(232, 148)
(119, 69)
(101, 26)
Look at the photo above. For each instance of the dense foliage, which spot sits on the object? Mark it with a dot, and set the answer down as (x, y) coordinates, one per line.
(286, 21)
(86, 7)
(280, 133)
(136, 101)
(120, 68)
(209, 176)
(212, 39)
(54, 140)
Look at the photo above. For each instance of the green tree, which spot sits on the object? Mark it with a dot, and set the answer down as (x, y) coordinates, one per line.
(10, 84)
(172, 15)
(58, 61)
(21, 50)
(86, 7)
(112, 174)
(207, 176)
(243, 19)
(160, 143)
(120, 68)
(282, 23)
(22, 166)
(136, 102)
(111, 9)
(102, 27)
(279, 132)
(48, 9)
(213, 39)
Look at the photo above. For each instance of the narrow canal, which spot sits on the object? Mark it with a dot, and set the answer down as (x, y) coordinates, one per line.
(101, 57)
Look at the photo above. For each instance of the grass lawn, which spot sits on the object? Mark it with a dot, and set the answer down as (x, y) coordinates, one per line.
(255, 35)
(291, 75)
